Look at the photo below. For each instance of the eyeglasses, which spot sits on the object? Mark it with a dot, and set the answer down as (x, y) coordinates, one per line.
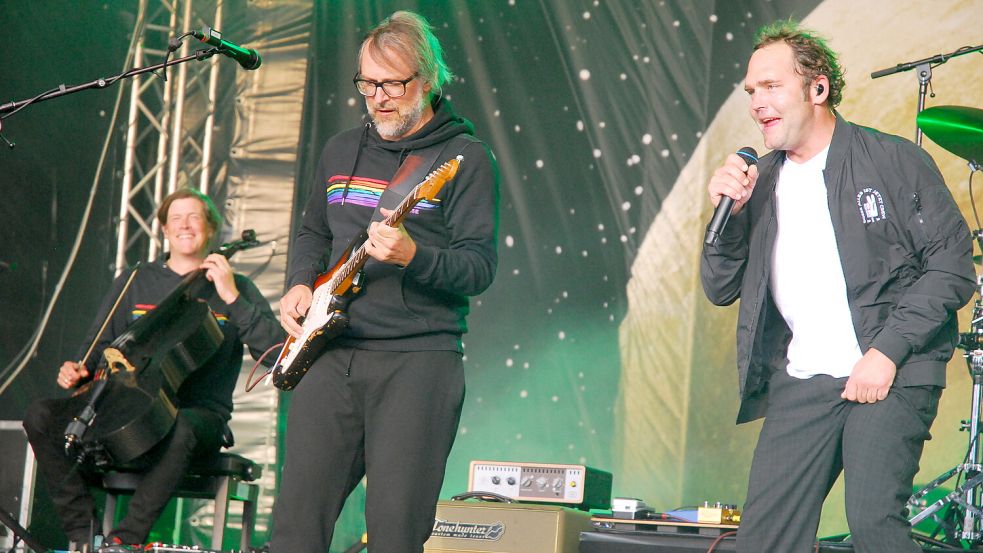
(393, 89)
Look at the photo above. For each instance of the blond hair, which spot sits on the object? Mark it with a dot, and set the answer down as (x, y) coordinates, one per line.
(411, 37)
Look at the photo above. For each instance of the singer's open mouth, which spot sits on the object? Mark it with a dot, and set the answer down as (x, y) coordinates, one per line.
(769, 121)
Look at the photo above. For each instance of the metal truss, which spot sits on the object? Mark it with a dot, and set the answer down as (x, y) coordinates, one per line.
(170, 124)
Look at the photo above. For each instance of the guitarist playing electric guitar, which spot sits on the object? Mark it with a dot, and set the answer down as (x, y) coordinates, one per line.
(383, 396)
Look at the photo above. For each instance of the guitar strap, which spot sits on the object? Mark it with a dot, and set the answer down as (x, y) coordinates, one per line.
(417, 165)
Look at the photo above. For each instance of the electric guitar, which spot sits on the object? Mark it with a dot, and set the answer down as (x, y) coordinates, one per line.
(326, 319)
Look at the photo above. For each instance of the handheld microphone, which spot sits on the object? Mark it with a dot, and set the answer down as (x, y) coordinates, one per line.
(722, 214)
(247, 58)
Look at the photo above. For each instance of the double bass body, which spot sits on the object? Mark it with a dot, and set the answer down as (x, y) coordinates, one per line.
(145, 372)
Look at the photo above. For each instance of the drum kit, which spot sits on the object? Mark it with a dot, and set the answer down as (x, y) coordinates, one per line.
(959, 514)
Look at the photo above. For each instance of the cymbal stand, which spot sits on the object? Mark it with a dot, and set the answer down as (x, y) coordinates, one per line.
(924, 72)
(965, 500)
(924, 69)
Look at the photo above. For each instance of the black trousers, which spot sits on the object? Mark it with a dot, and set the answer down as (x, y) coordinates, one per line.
(196, 432)
(389, 416)
(809, 436)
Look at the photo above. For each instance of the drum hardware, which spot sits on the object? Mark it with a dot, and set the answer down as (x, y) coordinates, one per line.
(924, 69)
(960, 131)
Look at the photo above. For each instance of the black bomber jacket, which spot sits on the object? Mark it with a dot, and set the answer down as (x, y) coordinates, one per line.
(905, 249)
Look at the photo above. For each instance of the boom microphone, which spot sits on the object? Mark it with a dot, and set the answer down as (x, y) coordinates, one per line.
(722, 214)
(248, 59)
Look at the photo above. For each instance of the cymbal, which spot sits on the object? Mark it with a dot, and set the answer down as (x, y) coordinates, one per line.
(958, 129)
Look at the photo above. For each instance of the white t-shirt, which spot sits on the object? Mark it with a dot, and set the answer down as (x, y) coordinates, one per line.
(807, 281)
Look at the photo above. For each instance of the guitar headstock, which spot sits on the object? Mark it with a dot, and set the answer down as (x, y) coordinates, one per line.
(430, 187)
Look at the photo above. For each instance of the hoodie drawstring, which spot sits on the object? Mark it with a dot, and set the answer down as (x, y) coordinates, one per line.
(358, 153)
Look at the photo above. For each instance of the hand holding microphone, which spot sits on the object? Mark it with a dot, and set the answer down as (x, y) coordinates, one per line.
(730, 188)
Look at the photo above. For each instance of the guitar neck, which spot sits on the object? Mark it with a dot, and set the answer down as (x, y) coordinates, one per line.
(359, 257)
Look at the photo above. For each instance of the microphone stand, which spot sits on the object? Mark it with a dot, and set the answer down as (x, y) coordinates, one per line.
(924, 67)
(10, 108)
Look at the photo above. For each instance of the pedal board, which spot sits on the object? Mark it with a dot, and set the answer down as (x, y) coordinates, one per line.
(167, 548)
(158, 547)
(577, 486)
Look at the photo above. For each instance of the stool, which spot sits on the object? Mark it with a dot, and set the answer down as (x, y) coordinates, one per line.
(222, 477)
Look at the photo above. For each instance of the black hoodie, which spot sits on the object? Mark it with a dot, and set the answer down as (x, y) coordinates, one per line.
(422, 306)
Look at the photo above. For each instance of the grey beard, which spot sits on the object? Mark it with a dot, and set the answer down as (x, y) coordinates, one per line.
(396, 129)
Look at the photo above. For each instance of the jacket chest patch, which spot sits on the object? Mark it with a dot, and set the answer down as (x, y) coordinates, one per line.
(871, 205)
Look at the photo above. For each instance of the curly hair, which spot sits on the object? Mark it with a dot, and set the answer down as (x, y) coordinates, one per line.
(813, 57)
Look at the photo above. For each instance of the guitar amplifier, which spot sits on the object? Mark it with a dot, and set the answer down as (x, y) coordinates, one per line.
(463, 527)
(571, 485)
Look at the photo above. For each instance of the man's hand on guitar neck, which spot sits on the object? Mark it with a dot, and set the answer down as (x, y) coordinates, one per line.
(388, 244)
(293, 306)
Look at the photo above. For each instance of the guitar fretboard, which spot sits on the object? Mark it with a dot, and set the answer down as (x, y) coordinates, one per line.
(434, 181)
(360, 256)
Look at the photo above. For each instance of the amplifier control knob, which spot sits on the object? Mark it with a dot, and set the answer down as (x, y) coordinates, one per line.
(496, 480)
(541, 483)
(511, 481)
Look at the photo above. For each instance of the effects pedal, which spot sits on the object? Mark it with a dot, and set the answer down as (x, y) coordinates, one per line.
(630, 508)
(717, 513)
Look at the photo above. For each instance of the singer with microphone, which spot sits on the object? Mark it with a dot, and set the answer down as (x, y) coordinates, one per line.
(850, 259)
(189, 221)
